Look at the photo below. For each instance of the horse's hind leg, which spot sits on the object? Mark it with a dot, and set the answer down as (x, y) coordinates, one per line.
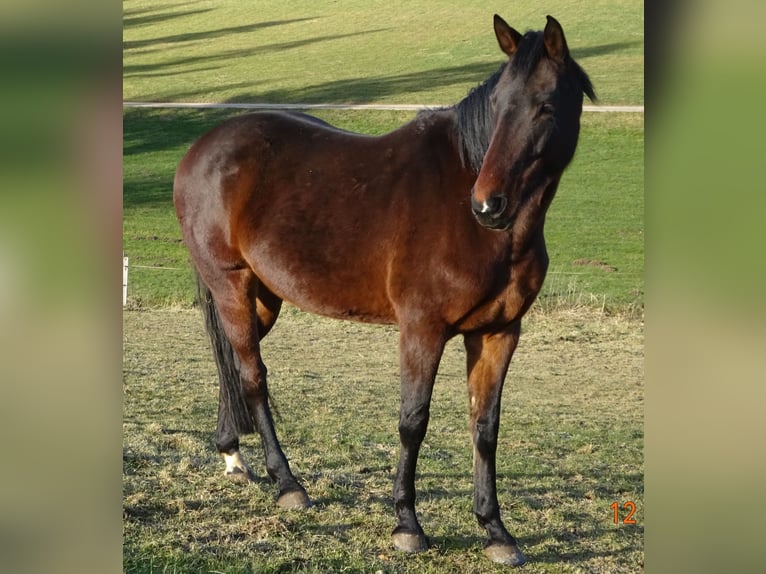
(268, 306)
(247, 310)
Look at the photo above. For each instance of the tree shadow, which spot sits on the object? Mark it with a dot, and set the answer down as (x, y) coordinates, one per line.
(147, 131)
(373, 88)
(141, 17)
(133, 69)
(210, 34)
(363, 90)
(603, 50)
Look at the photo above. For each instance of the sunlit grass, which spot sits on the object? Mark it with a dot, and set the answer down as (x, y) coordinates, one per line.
(425, 52)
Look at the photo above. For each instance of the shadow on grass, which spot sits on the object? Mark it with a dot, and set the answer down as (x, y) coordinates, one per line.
(147, 131)
(373, 88)
(166, 67)
(603, 49)
(579, 541)
(138, 17)
(207, 35)
(152, 135)
(141, 17)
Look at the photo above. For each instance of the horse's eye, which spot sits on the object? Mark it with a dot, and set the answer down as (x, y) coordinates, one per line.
(546, 109)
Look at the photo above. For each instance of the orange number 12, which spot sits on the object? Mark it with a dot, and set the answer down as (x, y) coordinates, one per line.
(629, 506)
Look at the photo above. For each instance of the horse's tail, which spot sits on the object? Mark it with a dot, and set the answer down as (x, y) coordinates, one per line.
(232, 406)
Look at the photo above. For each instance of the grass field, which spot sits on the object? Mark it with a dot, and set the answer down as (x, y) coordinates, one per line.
(571, 436)
(359, 51)
(570, 445)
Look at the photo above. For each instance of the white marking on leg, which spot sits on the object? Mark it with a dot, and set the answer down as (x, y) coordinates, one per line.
(236, 465)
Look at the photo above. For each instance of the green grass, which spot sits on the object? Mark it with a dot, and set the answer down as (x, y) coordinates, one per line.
(594, 228)
(570, 445)
(357, 51)
(595, 225)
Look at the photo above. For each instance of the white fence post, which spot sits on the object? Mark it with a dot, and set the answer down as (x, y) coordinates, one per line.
(124, 280)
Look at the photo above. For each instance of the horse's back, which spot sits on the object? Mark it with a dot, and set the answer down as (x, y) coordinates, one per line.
(244, 165)
(292, 198)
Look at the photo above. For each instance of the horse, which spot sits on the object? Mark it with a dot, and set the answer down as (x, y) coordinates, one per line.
(436, 227)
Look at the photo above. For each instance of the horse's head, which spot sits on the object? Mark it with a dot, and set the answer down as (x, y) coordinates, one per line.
(536, 106)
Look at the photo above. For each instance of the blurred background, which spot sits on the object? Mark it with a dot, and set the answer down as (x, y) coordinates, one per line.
(705, 271)
(60, 220)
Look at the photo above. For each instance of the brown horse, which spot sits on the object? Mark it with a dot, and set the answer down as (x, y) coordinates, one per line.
(436, 227)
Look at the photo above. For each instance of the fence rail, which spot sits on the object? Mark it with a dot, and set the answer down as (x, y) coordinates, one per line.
(384, 107)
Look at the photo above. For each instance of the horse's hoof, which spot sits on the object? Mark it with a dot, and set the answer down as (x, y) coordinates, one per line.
(505, 554)
(294, 500)
(409, 542)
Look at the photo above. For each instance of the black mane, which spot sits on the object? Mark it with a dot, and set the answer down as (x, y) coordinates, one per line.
(474, 113)
(474, 122)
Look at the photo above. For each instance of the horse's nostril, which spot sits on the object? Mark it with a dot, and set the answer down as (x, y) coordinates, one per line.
(495, 205)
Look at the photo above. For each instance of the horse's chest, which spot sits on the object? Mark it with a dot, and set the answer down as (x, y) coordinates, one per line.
(500, 307)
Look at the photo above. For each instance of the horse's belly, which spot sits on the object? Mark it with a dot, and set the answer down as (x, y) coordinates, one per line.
(345, 307)
(343, 292)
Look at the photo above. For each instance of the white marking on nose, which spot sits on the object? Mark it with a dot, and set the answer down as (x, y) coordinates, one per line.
(484, 207)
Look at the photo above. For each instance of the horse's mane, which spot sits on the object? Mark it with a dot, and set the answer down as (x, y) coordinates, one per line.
(474, 112)
(474, 122)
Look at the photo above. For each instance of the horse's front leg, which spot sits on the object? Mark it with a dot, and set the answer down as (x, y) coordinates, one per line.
(419, 353)
(489, 355)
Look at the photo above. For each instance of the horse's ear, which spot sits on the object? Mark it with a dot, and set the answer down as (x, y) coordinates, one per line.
(507, 37)
(555, 43)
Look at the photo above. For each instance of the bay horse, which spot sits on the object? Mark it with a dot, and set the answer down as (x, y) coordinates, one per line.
(436, 227)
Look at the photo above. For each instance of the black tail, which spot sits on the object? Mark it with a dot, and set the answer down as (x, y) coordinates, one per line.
(233, 412)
